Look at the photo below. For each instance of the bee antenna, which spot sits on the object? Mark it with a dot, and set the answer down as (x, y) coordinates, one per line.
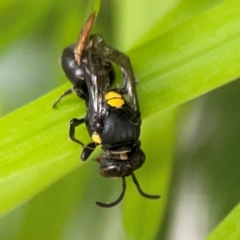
(141, 191)
(118, 200)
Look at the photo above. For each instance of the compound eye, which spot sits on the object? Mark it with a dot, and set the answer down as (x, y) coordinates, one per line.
(111, 171)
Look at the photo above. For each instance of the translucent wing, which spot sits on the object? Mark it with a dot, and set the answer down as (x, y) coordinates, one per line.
(98, 84)
(120, 59)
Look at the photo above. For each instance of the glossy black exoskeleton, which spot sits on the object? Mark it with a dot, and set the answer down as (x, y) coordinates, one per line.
(113, 117)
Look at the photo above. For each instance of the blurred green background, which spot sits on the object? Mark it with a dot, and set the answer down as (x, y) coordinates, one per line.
(205, 176)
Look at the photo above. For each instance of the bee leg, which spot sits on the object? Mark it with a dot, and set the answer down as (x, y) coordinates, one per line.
(88, 150)
(68, 92)
(73, 124)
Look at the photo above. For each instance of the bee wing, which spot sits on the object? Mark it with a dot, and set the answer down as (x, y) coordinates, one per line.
(98, 85)
(125, 65)
(130, 84)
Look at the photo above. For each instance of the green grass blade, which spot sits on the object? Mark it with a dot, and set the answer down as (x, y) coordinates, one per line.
(138, 27)
(53, 208)
(96, 6)
(174, 13)
(192, 59)
(32, 149)
(228, 229)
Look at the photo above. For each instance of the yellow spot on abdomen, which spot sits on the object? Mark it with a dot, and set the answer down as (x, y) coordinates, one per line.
(114, 99)
(96, 138)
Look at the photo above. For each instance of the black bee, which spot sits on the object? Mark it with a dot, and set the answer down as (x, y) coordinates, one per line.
(113, 117)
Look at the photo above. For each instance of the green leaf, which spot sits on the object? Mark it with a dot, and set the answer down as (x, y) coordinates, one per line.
(53, 208)
(228, 229)
(187, 62)
(96, 6)
(32, 149)
(138, 27)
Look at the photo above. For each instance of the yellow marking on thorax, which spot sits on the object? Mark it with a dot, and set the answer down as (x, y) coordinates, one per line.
(96, 138)
(114, 99)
